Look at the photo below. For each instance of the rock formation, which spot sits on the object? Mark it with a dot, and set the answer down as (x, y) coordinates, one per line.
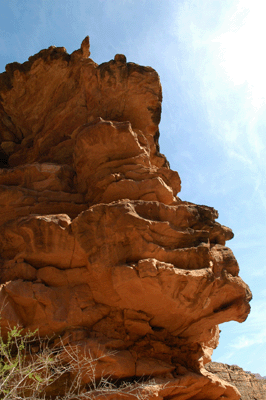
(250, 386)
(95, 244)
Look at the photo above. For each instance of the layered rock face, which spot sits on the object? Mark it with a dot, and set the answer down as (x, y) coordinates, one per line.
(95, 245)
(249, 385)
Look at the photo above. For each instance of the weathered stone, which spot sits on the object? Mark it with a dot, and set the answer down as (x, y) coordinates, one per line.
(95, 246)
(249, 385)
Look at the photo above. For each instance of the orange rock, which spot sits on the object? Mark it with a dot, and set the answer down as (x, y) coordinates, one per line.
(249, 385)
(95, 246)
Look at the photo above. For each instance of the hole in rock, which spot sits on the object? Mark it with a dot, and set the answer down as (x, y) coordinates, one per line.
(157, 328)
(223, 307)
(3, 159)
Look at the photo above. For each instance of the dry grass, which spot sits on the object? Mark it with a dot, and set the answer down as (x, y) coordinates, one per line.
(33, 368)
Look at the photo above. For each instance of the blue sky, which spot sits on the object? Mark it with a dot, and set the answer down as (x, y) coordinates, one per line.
(211, 60)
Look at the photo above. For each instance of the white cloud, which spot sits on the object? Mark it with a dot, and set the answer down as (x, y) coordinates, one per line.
(259, 271)
(247, 341)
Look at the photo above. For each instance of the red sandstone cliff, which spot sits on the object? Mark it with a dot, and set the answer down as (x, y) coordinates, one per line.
(249, 385)
(95, 245)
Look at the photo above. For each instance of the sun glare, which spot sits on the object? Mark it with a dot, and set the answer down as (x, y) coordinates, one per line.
(242, 49)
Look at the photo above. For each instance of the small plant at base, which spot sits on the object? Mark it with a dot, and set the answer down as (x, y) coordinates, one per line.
(21, 372)
(27, 374)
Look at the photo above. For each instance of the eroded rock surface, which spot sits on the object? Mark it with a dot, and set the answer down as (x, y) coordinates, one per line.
(95, 244)
(250, 386)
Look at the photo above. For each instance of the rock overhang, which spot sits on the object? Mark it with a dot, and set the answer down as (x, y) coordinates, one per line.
(93, 236)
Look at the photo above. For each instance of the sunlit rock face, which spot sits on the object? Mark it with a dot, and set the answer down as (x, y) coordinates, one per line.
(95, 240)
(251, 386)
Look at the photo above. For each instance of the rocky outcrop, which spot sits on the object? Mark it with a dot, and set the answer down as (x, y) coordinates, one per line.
(96, 247)
(250, 386)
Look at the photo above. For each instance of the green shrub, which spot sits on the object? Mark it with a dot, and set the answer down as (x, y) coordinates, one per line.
(33, 369)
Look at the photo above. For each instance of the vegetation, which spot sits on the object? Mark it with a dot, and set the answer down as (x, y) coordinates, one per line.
(32, 368)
